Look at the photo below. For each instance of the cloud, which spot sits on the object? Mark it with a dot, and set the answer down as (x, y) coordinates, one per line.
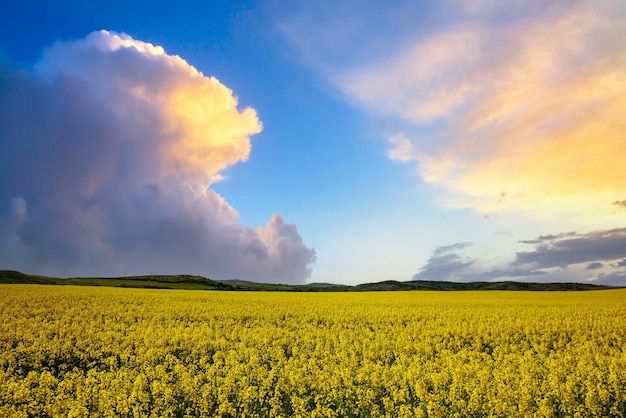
(107, 152)
(557, 257)
(449, 264)
(507, 272)
(612, 279)
(596, 246)
(447, 249)
(505, 107)
(446, 264)
(346, 31)
(549, 238)
(594, 266)
(620, 204)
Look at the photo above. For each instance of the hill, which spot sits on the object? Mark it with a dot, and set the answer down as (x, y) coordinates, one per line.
(185, 281)
(182, 281)
(504, 285)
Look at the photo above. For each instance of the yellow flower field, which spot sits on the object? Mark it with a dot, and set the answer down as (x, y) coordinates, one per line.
(87, 351)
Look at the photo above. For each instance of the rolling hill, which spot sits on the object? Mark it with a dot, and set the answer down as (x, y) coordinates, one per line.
(190, 282)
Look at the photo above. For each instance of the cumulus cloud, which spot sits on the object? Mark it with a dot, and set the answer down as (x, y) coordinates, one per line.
(504, 106)
(107, 152)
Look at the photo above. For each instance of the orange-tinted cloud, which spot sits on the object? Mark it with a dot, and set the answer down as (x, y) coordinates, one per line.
(204, 132)
(524, 115)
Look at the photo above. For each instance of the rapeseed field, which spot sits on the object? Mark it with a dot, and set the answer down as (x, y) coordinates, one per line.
(107, 352)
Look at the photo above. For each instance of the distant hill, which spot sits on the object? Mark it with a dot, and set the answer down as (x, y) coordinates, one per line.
(10, 276)
(505, 285)
(185, 281)
(311, 287)
(182, 281)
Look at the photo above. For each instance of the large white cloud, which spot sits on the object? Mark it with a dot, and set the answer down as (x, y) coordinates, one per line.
(107, 151)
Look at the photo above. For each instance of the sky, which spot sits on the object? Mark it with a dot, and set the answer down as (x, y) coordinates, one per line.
(328, 141)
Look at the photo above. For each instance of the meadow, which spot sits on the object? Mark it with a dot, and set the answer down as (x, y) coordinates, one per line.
(68, 351)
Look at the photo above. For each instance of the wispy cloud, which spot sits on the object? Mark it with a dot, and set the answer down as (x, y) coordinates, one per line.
(514, 106)
(453, 248)
(107, 151)
(542, 239)
(620, 204)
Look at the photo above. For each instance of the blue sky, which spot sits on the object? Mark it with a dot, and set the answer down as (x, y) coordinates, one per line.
(455, 140)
